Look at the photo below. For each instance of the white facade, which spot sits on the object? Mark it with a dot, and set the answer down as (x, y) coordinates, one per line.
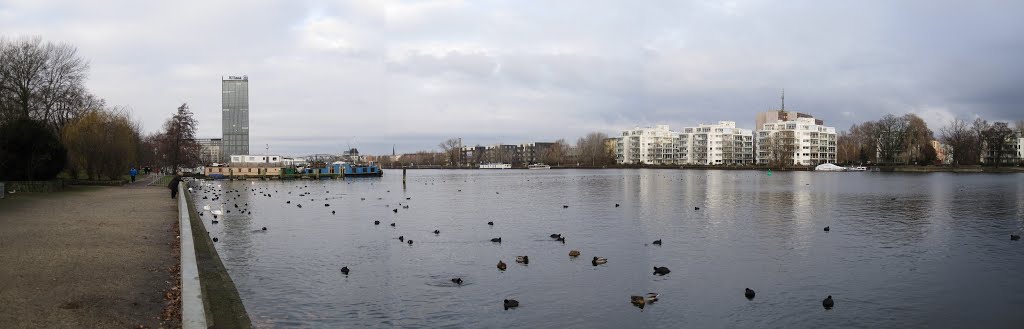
(256, 159)
(810, 143)
(1020, 150)
(715, 144)
(651, 145)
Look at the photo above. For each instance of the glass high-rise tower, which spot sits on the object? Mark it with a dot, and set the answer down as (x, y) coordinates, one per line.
(235, 115)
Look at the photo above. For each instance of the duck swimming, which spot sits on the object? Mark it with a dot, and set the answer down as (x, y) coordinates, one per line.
(574, 253)
(661, 270)
(501, 265)
(749, 293)
(523, 259)
(657, 242)
(457, 281)
(641, 301)
(599, 260)
(511, 303)
(828, 303)
(344, 270)
(498, 240)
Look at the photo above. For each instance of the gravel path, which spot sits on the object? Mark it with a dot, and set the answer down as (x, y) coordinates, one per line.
(89, 257)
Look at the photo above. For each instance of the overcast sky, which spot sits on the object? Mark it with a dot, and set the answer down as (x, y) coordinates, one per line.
(369, 74)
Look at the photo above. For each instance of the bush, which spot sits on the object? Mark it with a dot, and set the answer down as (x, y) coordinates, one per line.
(29, 151)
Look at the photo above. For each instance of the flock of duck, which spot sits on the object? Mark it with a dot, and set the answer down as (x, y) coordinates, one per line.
(639, 301)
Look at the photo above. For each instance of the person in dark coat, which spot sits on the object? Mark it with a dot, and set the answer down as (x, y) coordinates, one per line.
(173, 185)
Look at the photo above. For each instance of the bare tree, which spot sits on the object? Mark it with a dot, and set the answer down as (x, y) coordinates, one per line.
(42, 81)
(891, 134)
(150, 150)
(452, 149)
(962, 141)
(780, 147)
(179, 142)
(978, 128)
(502, 153)
(556, 154)
(592, 150)
(847, 148)
(997, 139)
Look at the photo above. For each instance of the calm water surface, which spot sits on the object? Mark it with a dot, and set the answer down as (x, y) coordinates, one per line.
(905, 250)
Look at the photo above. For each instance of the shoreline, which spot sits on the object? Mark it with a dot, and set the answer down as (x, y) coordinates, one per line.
(902, 169)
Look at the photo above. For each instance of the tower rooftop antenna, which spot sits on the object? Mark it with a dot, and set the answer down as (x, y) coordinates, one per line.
(783, 99)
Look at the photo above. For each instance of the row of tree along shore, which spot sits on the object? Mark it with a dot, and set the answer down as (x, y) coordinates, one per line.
(907, 140)
(881, 168)
(52, 126)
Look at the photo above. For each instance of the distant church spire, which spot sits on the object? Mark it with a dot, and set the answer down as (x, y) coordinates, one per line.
(392, 149)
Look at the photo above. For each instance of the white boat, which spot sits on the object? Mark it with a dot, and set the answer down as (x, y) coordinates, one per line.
(538, 166)
(828, 167)
(496, 166)
(858, 169)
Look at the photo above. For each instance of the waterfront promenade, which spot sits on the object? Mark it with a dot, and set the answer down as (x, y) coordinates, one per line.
(88, 257)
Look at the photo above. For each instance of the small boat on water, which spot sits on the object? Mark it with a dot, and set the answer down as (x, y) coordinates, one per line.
(495, 166)
(829, 167)
(858, 169)
(538, 166)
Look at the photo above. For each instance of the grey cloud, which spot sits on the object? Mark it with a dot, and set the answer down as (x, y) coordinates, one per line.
(412, 74)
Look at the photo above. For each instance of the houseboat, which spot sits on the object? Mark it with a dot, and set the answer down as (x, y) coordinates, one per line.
(538, 166)
(495, 166)
(362, 170)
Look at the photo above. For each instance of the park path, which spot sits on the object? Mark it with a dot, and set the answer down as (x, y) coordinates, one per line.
(88, 257)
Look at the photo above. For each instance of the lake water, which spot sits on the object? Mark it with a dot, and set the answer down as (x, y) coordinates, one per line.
(904, 250)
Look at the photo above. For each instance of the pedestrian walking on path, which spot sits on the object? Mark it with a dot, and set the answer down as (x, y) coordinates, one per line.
(133, 172)
(173, 185)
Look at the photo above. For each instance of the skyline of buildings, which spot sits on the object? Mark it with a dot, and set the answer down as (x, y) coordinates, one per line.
(782, 137)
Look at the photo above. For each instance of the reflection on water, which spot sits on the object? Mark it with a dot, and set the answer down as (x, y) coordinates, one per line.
(904, 250)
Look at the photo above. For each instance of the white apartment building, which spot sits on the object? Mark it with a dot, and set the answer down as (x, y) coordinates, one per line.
(1020, 150)
(715, 144)
(651, 145)
(807, 142)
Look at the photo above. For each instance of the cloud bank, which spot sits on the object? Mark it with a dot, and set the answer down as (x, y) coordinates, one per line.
(325, 76)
